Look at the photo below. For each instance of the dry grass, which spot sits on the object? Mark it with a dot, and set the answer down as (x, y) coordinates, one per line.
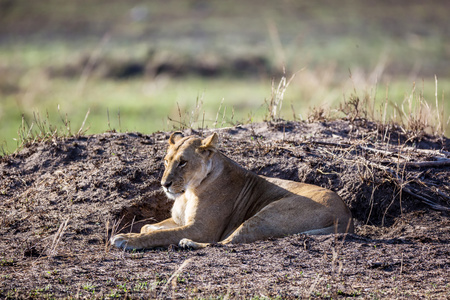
(41, 129)
(53, 248)
(415, 115)
(418, 117)
(275, 103)
(196, 118)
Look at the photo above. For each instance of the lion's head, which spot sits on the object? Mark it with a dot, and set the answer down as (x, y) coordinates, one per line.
(187, 163)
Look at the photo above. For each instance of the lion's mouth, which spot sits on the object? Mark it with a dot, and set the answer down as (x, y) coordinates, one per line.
(171, 193)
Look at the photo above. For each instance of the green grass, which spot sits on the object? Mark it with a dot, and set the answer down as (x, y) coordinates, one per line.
(143, 106)
(146, 105)
(387, 46)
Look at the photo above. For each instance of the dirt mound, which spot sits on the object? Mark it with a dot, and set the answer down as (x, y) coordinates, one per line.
(59, 201)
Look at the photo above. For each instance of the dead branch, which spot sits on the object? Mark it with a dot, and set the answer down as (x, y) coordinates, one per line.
(407, 188)
(425, 200)
(428, 151)
(427, 164)
(375, 150)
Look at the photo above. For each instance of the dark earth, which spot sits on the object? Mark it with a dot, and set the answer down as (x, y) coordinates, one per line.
(60, 201)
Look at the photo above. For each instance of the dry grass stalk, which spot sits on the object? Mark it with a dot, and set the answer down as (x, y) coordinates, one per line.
(218, 111)
(189, 119)
(57, 238)
(65, 121)
(172, 279)
(441, 128)
(316, 281)
(107, 116)
(195, 114)
(114, 229)
(419, 118)
(82, 131)
(276, 100)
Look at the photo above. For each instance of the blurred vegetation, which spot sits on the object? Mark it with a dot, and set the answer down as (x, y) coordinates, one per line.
(154, 65)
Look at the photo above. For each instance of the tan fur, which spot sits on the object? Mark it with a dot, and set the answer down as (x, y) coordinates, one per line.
(216, 200)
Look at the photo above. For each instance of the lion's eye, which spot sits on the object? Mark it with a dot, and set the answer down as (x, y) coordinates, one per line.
(182, 163)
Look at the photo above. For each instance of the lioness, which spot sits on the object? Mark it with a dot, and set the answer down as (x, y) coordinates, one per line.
(216, 200)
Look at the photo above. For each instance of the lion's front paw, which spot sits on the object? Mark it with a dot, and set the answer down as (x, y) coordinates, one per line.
(125, 241)
(187, 243)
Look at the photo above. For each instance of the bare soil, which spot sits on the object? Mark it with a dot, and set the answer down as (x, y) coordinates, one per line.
(60, 200)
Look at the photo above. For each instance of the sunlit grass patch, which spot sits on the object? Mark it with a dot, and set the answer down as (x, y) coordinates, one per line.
(127, 105)
(162, 103)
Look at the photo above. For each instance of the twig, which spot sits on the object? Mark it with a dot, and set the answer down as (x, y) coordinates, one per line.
(409, 190)
(385, 152)
(440, 193)
(394, 151)
(175, 275)
(341, 145)
(425, 200)
(400, 182)
(114, 229)
(57, 238)
(442, 162)
(427, 164)
(428, 151)
(313, 285)
(81, 131)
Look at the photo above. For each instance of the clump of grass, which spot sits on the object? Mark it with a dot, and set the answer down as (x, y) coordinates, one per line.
(196, 118)
(355, 108)
(3, 149)
(415, 116)
(317, 114)
(275, 103)
(41, 129)
(188, 119)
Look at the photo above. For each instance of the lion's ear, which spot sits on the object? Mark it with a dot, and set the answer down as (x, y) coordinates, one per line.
(210, 141)
(175, 137)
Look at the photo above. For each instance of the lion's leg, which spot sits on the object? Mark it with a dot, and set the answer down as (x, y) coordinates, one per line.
(252, 230)
(281, 218)
(156, 238)
(166, 224)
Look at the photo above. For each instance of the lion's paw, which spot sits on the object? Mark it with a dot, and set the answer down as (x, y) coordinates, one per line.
(123, 241)
(186, 243)
(190, 244)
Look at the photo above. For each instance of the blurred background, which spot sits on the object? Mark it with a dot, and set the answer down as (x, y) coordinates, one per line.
(145, 66)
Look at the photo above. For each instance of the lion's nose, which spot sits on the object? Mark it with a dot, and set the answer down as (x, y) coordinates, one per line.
(166, 184)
